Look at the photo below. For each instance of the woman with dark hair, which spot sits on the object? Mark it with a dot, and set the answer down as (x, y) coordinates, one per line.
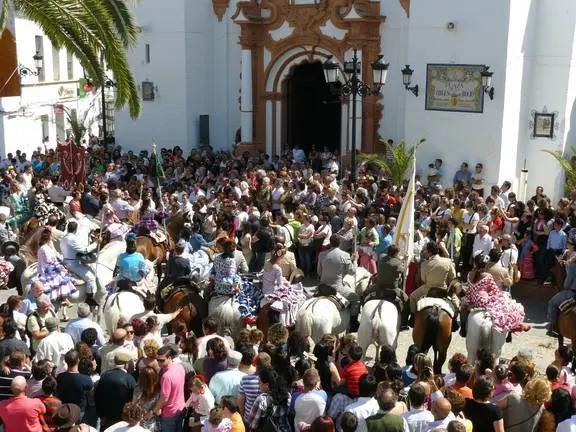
(329, 376)
(565, 361)
(216, 360)
(55, 278)
(506, 314)
(131, 265)
(90, 337)
(226, 280)
(272, 404)
(559, 409)
(283, 297)
(484, 415)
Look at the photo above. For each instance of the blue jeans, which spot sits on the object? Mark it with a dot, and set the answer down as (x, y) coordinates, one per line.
(171, 424)
(306, 254)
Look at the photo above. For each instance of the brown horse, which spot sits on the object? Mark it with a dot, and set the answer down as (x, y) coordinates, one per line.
(433, 328)
(567, 327)
(152, 251)
(194, 309)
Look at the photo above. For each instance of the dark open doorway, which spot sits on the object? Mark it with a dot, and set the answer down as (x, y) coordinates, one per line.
(313, 113)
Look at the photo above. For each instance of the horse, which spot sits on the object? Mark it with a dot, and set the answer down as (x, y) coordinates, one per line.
(379, 325)
(566, 327)
(319, 316)
(194, 308)
(360, 281)
(152, 251)
(226, 311)
(481, 334)
(433, 324)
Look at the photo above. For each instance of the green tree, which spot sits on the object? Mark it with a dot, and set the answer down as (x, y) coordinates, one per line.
(92, 30)
(397, 166)
(568, 164)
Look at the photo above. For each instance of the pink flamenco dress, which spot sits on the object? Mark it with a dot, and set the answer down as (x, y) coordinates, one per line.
(57, 282)
(507, 314)
(282, 296)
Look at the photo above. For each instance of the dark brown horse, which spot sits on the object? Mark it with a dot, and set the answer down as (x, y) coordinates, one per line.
(194, 309)
(433, 328)
(152, 251)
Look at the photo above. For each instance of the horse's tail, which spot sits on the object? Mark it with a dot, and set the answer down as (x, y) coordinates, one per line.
(304, 322)
(432, 325)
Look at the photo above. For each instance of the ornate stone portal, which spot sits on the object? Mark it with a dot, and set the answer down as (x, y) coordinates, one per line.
(276, 36)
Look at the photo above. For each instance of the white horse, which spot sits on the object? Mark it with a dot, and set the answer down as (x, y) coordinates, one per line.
(481, 334)
(319, 316)
(359, 282)
(226, 311)
(378, 325)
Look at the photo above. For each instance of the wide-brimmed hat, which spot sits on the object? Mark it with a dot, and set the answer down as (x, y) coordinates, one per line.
(7, 245)
(66, 416)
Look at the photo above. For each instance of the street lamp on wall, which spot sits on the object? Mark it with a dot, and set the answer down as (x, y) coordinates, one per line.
(407, 80)
(487, 82)
(354, 86)
(38, 64)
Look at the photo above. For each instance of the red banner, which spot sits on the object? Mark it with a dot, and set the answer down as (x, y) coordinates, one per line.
(72, 159)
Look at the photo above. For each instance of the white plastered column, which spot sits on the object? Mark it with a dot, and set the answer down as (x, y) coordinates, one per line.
(247, 111)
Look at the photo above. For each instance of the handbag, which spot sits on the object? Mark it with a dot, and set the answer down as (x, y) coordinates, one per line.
(87, 258)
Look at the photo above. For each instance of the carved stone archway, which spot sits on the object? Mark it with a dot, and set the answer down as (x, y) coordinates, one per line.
(278, 34)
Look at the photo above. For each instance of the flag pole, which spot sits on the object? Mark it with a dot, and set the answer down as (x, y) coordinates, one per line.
(159, 190)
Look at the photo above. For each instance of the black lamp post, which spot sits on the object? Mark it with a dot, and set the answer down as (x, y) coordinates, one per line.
(38, 65)
(407, 80)
(355, 87)
(108, 83)
(487, 82)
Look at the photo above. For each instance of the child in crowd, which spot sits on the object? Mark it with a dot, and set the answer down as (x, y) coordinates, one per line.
(454, 364)
(216, 421)
(353, 371)
(201, 401)
(502, 385)
(256, 338)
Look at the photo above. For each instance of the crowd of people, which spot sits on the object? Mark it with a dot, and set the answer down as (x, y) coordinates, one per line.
(288, 218)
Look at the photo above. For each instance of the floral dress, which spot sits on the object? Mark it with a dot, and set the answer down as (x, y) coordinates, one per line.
(153, 424)
(507, 314)
(282, 296)
(54, 276)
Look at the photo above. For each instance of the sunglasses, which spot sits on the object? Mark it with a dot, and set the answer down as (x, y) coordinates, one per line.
(130, 332)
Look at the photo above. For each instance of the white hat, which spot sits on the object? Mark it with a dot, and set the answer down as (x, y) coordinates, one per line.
(234, 358)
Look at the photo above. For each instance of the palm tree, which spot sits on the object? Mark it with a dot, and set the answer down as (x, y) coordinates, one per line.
(92, 30)
(568, 164)
(397, 166)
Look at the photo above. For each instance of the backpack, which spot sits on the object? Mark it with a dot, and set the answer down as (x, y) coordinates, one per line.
(40, 324)
(275, 420)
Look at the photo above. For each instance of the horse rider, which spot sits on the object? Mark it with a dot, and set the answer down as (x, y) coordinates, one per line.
(568, 292)
(131, 265)
(71, 245)
(120, 206)
(390, 282)
(436, 272)
(333, 265)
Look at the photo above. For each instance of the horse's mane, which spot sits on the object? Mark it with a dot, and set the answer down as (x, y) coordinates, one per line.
(175, 224)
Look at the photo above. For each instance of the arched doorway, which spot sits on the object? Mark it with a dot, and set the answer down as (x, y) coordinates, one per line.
(313, 111)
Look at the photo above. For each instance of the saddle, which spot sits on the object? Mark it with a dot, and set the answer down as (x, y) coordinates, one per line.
(180, 284)
(567, 305)
(331, 294)
(157, 237)
(443, 303)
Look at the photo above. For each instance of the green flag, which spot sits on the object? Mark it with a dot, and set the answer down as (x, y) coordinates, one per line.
(156, 170)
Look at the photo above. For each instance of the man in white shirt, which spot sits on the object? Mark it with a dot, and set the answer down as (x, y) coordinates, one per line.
(418, 417)
(76, 326)
(366, 405)
(498, 201)
(149, 305)
(442, 412)
(227, 383)
(72, 245)
(298, 154)
(57, 194)
(311, 404)
(568, 425)
(121, 207)
(196, 193)
(482, 241)
(54, 346)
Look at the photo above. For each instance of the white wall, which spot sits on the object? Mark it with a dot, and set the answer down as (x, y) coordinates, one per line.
(165, 118)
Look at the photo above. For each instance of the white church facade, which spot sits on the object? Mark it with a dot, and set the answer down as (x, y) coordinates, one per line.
(219, 71)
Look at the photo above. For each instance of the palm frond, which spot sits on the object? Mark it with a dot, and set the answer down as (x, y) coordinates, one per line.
(89, 29)
(568, 164)
(397, 165)
(4, 13)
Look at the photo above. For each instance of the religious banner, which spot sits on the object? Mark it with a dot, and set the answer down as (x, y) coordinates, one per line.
(72, 159)
(9, 74)
(451, 87)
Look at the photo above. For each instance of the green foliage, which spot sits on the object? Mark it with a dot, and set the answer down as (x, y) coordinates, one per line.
(397, 166)
(79, 126)
(92, 30)
(568, 164)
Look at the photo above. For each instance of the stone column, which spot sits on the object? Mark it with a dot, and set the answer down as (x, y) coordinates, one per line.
(246, 110)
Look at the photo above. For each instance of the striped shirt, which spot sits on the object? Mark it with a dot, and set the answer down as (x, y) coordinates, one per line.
(52, 403)
(6, 382)
(250, 389)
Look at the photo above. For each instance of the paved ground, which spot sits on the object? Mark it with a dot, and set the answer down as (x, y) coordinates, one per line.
(532, 296)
